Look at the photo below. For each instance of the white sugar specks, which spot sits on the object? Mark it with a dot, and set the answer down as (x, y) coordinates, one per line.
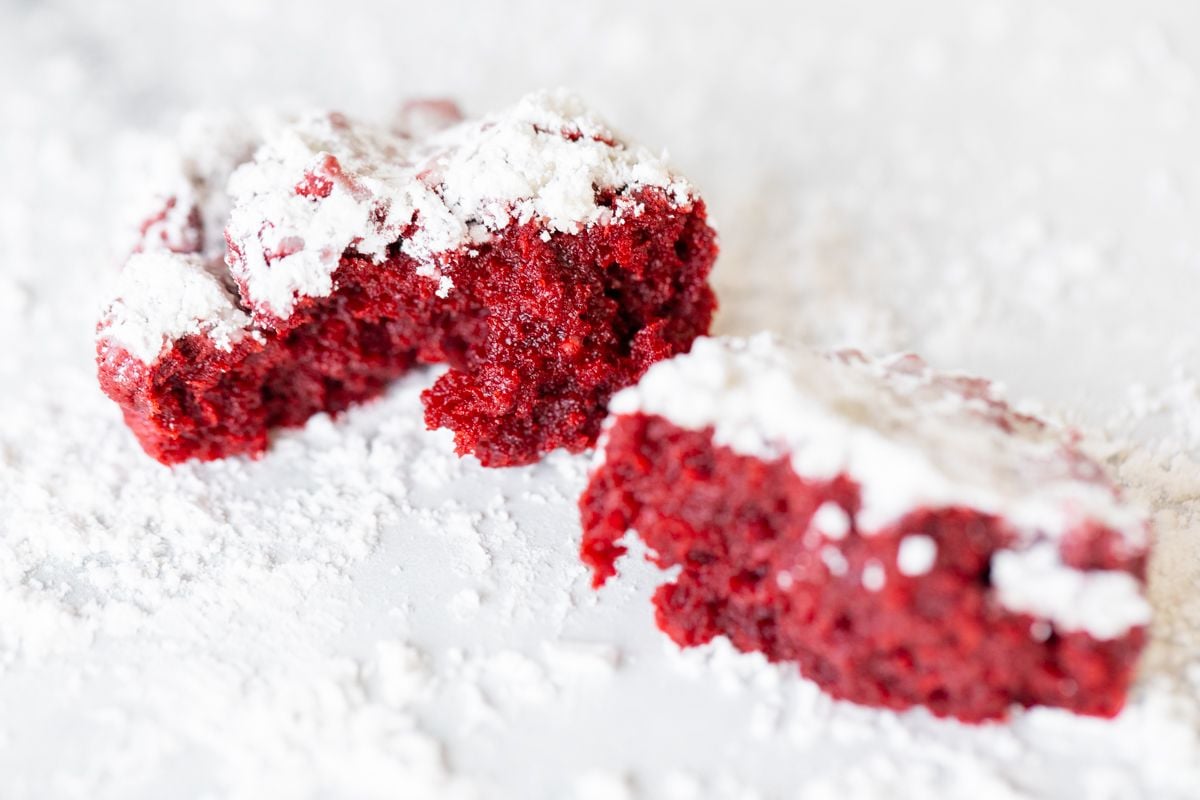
(893, 753)
(916, 555)
(874, 577)
(832, 521)
(544, 160)
(164, 296)
(1105, 603)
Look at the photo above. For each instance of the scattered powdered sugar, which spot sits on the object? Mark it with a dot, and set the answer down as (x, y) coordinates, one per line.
(164, 296)
(232, 581)
(361, 613)
(325, 184)
(912, 438)
(1040, 753)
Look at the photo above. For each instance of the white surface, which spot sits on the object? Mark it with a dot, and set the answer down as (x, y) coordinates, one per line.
(1006, 187)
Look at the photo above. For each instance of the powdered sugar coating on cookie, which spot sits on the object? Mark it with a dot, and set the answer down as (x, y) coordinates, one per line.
(913, 438)
(325, 185)
(165, 296)
(291, 197)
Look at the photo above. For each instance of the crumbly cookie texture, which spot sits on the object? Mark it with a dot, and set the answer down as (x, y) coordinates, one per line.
(903, 534)
(541, 256)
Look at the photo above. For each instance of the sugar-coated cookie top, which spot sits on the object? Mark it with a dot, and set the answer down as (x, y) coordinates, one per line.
(291, 196)
(164, 296)
(325, 184)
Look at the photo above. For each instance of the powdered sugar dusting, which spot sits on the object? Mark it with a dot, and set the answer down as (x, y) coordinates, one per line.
(1007, 187)
(165, 296)
(1105, 603)
(322, 185)
(912, 438)
(187, 202)
(325, 185)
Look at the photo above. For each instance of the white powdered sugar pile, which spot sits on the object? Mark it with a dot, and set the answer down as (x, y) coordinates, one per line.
(912, 438)
(162, 297)
(1006, 187)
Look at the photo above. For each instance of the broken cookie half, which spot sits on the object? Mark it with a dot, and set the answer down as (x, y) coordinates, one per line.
(903, 535)
(544, 259)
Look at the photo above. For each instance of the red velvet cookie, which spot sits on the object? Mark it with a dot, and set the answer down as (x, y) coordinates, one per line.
(903, 536)
(546, 261)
